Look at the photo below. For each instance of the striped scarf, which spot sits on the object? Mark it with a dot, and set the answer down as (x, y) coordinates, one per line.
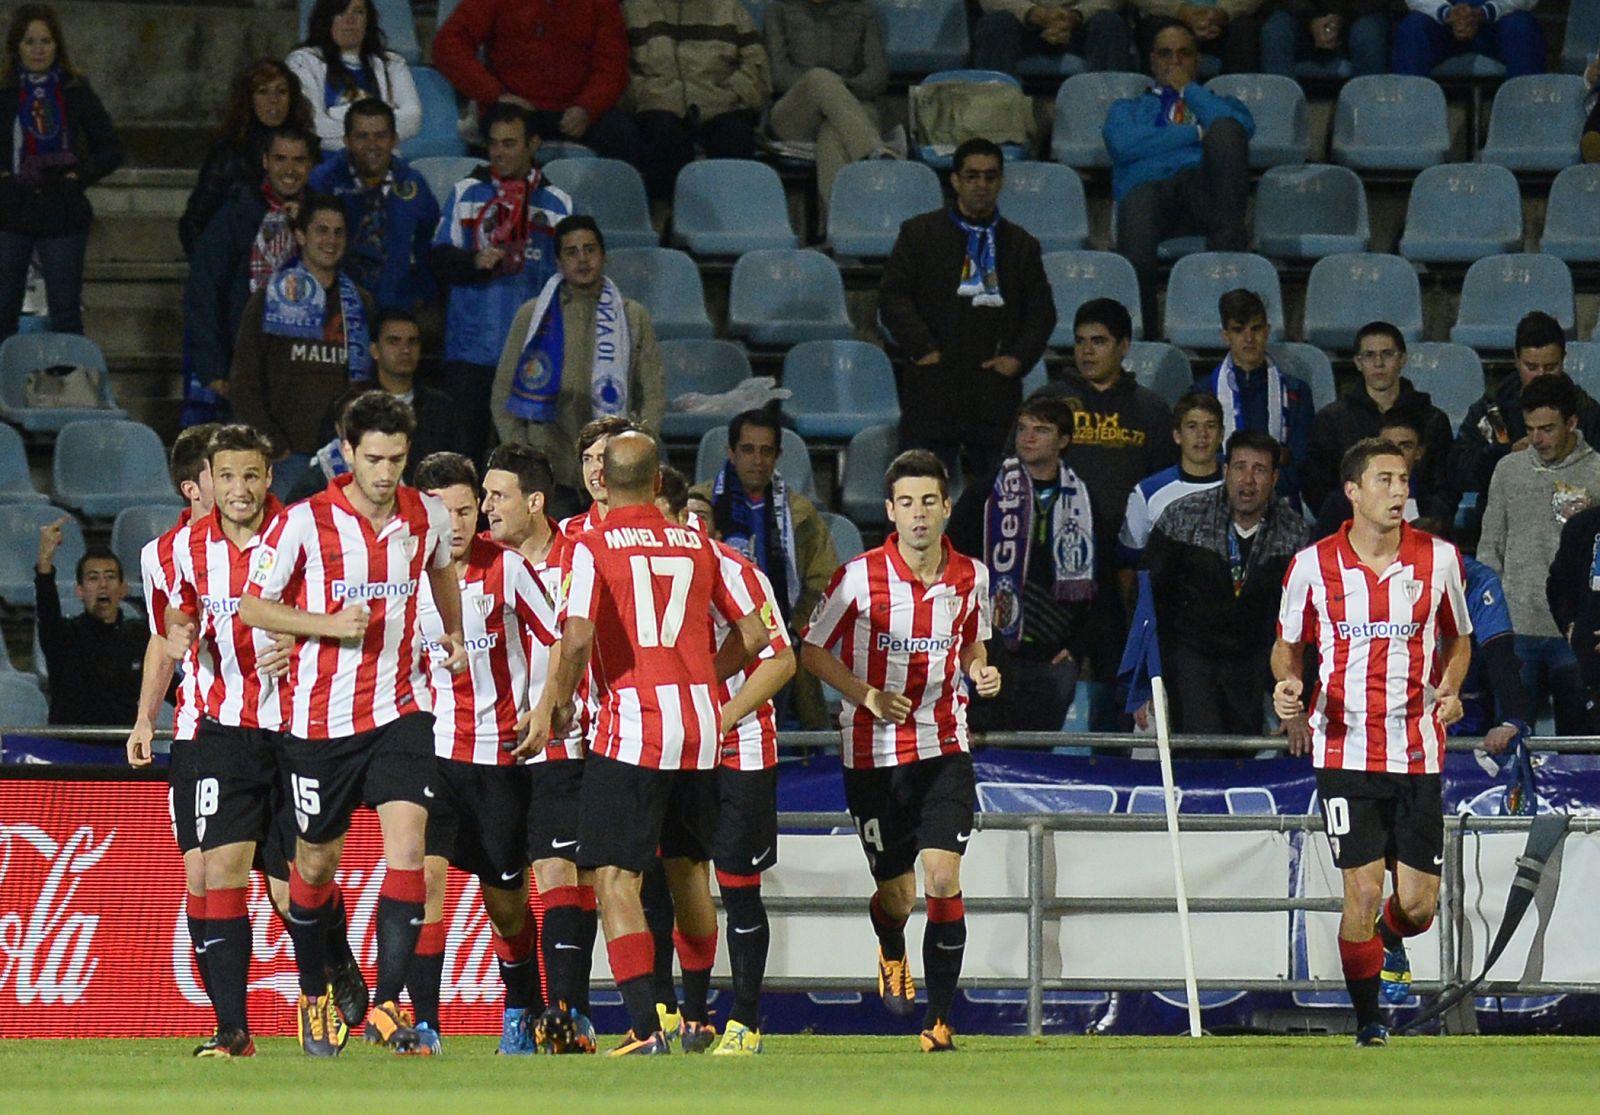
(274, 242)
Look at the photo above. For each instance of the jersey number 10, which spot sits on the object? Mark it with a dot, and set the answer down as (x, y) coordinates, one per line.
(662, 631)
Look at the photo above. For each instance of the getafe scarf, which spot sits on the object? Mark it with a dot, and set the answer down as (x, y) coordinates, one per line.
(1173, 110)
(40, 139)
(297, 306)
(732, 515)
(537, 384)
(1008, 543)
(1233, 407)
(979, 279)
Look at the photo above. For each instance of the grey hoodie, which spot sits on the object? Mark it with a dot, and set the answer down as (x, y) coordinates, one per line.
(1529, 502)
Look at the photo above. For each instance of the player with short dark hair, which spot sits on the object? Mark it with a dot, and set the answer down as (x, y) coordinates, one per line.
(591, 460)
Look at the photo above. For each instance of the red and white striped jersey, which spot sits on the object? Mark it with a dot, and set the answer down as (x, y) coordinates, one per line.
(211, 573)
(575, 526)
(901, 636)
(323, 555)
(752, 743)
(504, 615)
(650, 588)
(1375, 707)
(551, 574)
(158, 573)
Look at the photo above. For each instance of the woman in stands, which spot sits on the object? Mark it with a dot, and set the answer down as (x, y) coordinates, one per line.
(58, 143)
(264, 97)
(343, 60)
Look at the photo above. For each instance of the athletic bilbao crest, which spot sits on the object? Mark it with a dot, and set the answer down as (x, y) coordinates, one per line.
(1412, 590)
(482, 604)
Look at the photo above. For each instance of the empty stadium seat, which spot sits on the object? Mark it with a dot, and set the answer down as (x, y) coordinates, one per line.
(394, 16)
(1310, 364)
(1390, 122)
(1058, 64)
(1452, 374)
(787, 296)
(1307, 212)
(1583, 365)
(1077, 277)
(1199, 280)
(20, 524)
(1500, 290)
(1160, 367)
(1582, 35)
(132, 528)
(440, 113)
(667, 283)
(1469, 65)
(442, 172)
(707, 368)
(1349, 289)
(1459, 212)
(865, 461)
(921, 36)
(794, 460)
(939, 156)
(872, 198)
(1282, 116)
(16, 484)
(1047, 200)
(21, 703)
(1535, 122)
(1081, 106)
(1571, 231)
(104, 465)
(846, 536)
(1038, 376)
(725, 207)
(610, 191)
(839, 389)
(30, 352)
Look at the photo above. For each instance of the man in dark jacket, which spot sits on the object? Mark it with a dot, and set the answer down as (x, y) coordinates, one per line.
(95, 659)
(1403, 430)
(966, 300)
(1573, 589)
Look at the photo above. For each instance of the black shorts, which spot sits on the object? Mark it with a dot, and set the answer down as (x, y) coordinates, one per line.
(1374, 815)
(276, 852)
(631, 814)
(236, 770)
(326, 779)
(900, 811)
(478, 819)
(182, 775)
(553, 803)
(746, 842)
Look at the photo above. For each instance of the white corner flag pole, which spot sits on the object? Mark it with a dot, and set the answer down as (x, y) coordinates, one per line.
(1158, 701)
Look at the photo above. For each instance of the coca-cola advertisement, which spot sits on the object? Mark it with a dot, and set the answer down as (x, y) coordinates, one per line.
(93, 940)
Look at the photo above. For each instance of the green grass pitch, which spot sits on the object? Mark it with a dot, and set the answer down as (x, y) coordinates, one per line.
(987, 1076)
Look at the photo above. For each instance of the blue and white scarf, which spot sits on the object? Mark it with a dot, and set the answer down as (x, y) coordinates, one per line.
(980, 281)
(1008, 543)
(40, 139)
(1173, 108)
(1233, 406)
(297, 306)
(537, 384)
(728, 498)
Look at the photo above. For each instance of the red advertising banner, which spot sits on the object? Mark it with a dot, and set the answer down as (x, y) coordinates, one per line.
(93, 940)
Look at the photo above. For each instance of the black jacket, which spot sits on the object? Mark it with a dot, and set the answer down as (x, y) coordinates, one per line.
(228, 165)
(1479, 445)
(1343, 422)
(218, 286)
(95, 668)
(1574, 601)
(60, 205)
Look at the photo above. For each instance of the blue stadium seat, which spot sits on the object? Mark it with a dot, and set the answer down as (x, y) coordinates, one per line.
(1390, 122)
(1076, 277)
(1282, 116)
(440, 113)
(1535, 122)
(667, 282)
(1499, 290)
(1038, 376)
(1047, 200)
(16, 483)
(1197, 282)
(1571, 231)
(921, 36)
(939, 158)
(1583, 365)
(21, 703)
(20, 524)
(394, 16)
(794, 460)
(1307, 212)
(442, 172)
(1582, 35)
(1459, 212)
(872, 198)
(787, 296)
(705, 367)
(846, 536)
(104, 465)
(610, 191)
(1310, 364)
(1161, 367)
(1469, 65)
(30, 352)
(132, 528)
(1081, 106)
(1057, 65)
(1349, 289)
(839, 388)
(1451, 374)
(552, 149)
(725, 207)
(865, 461)
(758, 11)
(442, 12)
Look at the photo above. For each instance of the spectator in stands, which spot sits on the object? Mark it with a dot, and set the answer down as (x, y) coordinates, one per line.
(828, 67)
(1010, 30)
(96, 659)
(1493, 426)
(303, 339)
(578, 351)
(1255, 394)
(566, 63)
(1326, 32)
(1432, 32)
(1589, 145)
(1405, 430)
(344, 60)
(389, 210)
(265, 97)
(966, 300)
(1217, 560)
(699, 77)
(59, 143)
(1180, 159)
(1380, 358)
(1573, 594)
(495, 249)
(1533, 493)
(1197, 432)
(1226, 30)
(1032, 523)
(243, 244)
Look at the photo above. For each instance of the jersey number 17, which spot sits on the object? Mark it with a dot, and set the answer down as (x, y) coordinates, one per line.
(662, 630)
